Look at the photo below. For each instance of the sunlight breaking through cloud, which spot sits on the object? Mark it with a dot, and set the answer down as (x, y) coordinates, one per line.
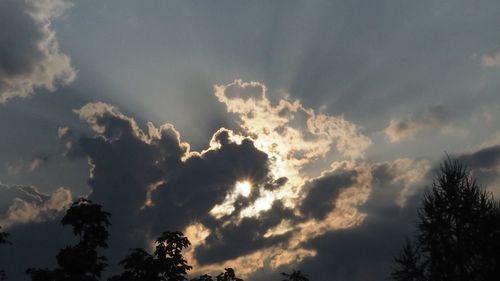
(285, 177)
(294, 136)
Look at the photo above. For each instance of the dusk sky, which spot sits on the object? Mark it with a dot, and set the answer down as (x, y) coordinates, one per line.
(276, 135)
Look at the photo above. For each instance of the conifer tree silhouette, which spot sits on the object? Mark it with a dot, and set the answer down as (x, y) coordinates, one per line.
(82, 261)
(458, 233)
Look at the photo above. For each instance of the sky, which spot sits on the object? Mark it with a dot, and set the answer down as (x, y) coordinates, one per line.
(276, 135)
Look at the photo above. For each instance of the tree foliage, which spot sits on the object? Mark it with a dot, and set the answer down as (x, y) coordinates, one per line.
(228, 275)
(458, 233)
(166, 263)
(3, 240)
(81, 262)
(3, 237)
(296, 275)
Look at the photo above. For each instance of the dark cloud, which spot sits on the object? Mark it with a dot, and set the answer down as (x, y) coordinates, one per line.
(400, 129)
(230, 241)
(484, 164)
(485, 158)
(366, 251)
(144, 178)
(151, 181)
(322, 192)
(29, 52)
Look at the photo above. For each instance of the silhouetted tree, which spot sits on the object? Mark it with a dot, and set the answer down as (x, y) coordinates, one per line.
(166, 263)
(228, 275)
(82, 261)
(409, 264)
(296, 275)
(3, 240)
(458, 233)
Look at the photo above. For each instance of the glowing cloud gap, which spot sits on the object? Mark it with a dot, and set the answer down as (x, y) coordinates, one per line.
(294, 137)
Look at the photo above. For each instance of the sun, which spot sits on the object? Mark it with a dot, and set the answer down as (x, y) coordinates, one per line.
(243, 188)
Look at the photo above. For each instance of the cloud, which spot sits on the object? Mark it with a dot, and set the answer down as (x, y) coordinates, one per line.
(29, 166)
(143, 176)
(26, 204)
(491, 60)
(30, 57)
(402, 129)
(485, 166)
(148, 177)
(297, 133)
(400, 177)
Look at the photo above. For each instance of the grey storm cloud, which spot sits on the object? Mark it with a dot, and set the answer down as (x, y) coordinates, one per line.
(143, 178)
(484, 163)
(30, 57)
(234, 240)
(151, 181)
(323, 191)
(366, 251)
(406, 128)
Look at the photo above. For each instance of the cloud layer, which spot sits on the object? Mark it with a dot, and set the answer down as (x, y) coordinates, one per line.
(287, 188)
(30, 57)
(144, 175)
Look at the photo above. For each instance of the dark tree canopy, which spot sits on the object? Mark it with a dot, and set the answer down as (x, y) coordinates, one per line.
(458, 233)
(82, 261)
(89, 222)
(166, 263)
(3, 237)
(3, 240)
(296, 275)
(228, 275)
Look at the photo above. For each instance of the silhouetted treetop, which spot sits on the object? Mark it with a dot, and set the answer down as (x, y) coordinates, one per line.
(89, 222)
(82, 261)
(166, 263)
(3, 240)
(3, 237)
(228, 275)
(458, 233)
(296, 275)
(409, 264)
